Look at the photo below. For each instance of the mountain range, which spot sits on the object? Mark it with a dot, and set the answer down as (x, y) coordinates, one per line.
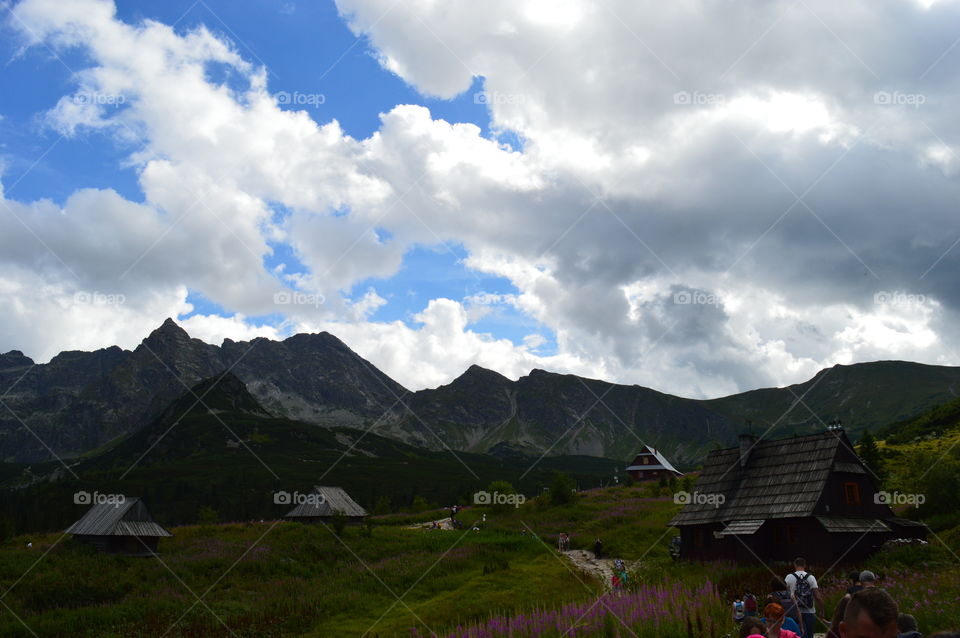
(81, 401)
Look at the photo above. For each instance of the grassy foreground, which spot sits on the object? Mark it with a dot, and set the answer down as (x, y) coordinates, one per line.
(288, 579)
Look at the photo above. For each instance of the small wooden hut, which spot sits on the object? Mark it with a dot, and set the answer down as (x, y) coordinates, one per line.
(323, 503)
(649, 464)
(119, 528)
(806, 496)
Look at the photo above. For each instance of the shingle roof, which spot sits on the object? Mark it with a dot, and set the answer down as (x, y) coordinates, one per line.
(129, 518)
(782, 479)
(858, 525)
(334, 499)
(663, 463)
(742, 527)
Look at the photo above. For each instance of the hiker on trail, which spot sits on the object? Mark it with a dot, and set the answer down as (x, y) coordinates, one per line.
(856, 585)
(563, 543)
(751, 627)
(781, 595)
(868, 579)
(750, 605)
(615, 582)
(870, 613)
(834, 629)
(739, 613)
(774, 617)
(804, 590)
(598, 548)
(907, 626)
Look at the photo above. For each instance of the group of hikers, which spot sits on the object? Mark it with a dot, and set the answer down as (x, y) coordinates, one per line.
(790, 610)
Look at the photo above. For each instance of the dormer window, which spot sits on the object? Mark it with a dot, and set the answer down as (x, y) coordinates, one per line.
(851, 493)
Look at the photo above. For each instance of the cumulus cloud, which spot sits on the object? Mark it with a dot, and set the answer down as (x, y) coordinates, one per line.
(708, 198)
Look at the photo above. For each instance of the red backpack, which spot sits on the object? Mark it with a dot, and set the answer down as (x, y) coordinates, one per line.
(750, 604)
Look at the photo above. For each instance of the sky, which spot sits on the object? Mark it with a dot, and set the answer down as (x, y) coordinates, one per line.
(698, 197)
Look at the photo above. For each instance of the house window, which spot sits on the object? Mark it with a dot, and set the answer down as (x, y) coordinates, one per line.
(698, 538)
(851, 493)
(792, 536)
(646, 460)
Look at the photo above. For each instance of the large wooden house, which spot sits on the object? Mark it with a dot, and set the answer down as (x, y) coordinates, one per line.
(323, 503)
(806, 496)
(649, 464)
(119, 528)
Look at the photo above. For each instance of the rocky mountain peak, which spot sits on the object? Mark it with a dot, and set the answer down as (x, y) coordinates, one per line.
(14, 359)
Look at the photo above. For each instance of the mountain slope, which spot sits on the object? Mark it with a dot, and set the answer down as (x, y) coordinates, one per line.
(863, 395)
(80, 401)
(230, 455)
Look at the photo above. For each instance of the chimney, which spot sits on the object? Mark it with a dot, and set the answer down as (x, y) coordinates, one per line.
(747, 441)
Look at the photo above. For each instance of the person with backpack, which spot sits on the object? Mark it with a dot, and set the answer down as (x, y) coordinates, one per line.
(750, 605)
(805, 592)
(739, 611)
(598, 548)
(781, 595)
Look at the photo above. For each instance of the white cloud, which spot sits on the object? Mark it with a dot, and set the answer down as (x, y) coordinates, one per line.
(626, 192)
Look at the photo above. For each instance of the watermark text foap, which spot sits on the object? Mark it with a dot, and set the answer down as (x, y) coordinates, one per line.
(899, 498)
(297, 298)
(497, 98)
(898, 299)
(97, 298)
(99, 99)
(696, 298)
(297, 498)
(699, 498)
(486, 498)
(296, 98)
(96, 498)
(896, 98)
(698, 98)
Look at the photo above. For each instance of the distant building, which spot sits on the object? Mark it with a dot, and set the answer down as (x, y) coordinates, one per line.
(119, 528)
(323, 502)
(651, 464)
(807, 496)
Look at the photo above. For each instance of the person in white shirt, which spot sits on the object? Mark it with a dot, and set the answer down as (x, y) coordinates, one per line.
(803, 589)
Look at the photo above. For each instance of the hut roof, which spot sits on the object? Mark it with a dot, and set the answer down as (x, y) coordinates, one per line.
(662, 462)
(781, 479)
(334, 499)
(129, 518)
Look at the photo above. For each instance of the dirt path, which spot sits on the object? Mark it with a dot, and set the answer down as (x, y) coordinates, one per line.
(601, 569)
(443, 523)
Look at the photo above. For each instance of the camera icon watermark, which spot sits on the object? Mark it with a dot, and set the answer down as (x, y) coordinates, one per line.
(698, 98)
(96, 298)
(696, 298)
(486, 498)
(899, 498)
(297, 98)
(296, 298)
(96, 498)
(896, 98)
(699, 498)
(297, 498)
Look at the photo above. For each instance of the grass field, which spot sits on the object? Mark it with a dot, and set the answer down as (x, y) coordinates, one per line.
(289, 579)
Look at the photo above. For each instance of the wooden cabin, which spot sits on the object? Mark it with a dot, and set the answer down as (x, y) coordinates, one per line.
(323, 502)
(119, 528)
(806, 496)
(649, 464)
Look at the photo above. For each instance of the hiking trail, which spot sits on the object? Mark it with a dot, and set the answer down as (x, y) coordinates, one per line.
(601, 569)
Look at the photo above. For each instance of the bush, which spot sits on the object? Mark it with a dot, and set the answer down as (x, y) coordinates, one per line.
(339, 522)
(561, 489)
